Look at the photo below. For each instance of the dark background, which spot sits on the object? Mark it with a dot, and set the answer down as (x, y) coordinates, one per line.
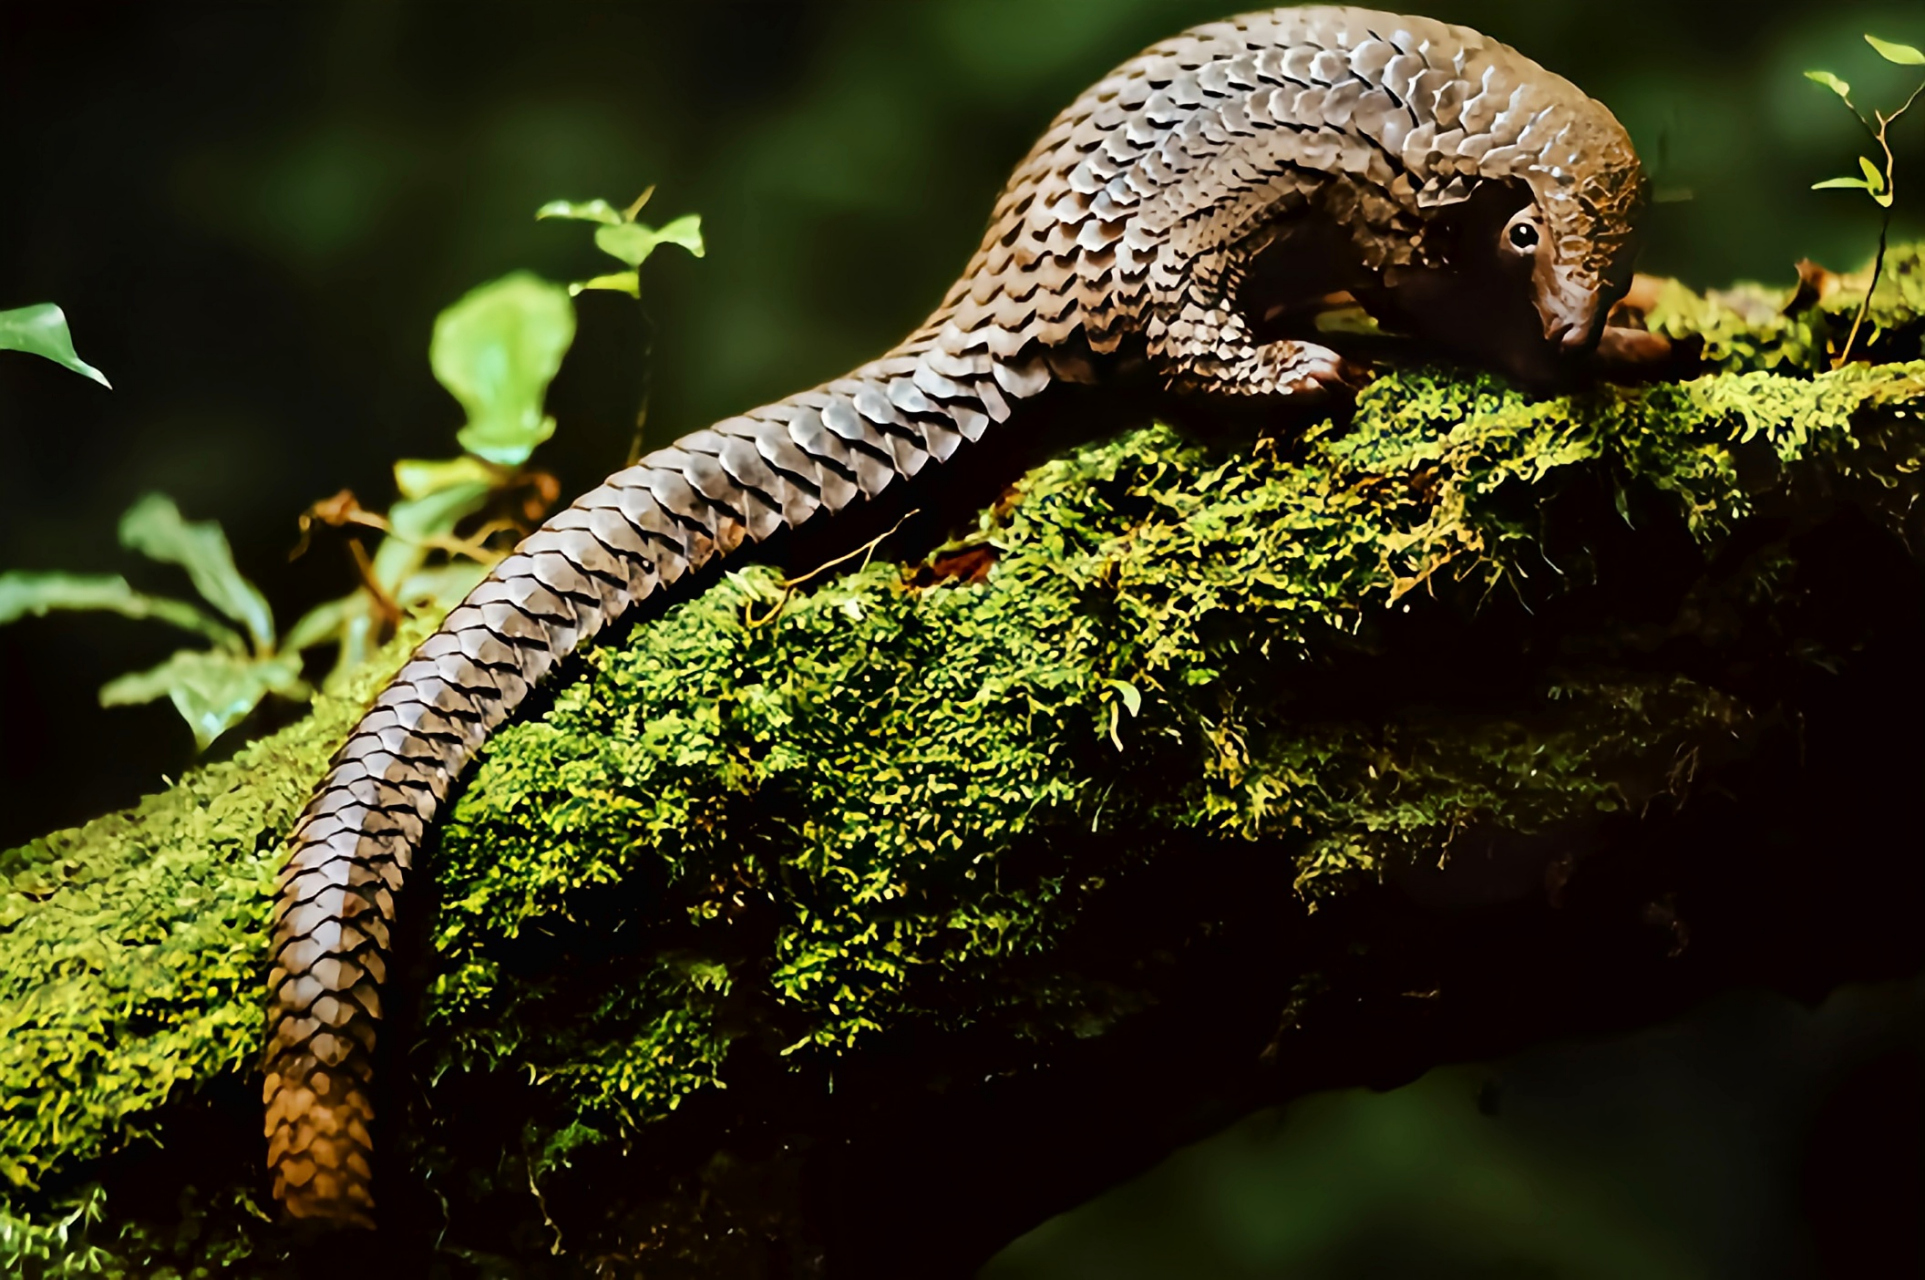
(252, 213)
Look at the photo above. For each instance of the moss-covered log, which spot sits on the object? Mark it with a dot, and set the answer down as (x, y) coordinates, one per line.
(854, 930)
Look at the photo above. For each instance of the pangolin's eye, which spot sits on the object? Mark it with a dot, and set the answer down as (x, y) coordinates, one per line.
(1522, 237)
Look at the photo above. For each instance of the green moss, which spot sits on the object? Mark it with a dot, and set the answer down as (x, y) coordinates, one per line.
(887, 805)
(130, 949)
(1752, 327)
(872, 756)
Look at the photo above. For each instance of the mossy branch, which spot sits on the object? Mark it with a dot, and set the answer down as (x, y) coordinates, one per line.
(904, 836)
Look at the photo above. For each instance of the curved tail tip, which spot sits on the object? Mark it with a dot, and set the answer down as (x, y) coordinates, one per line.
(331, 1197)
(318, 1149)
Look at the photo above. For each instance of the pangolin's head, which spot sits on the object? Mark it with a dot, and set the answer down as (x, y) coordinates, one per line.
(1522, 259)
(1577, 234)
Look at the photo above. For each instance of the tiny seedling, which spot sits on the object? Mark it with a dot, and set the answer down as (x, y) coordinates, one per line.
(1876, 178)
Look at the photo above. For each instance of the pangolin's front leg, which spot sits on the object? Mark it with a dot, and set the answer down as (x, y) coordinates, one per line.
(1210, 352)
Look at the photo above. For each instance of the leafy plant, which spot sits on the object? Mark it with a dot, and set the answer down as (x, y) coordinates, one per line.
(42, 330)
(215, 688)
(496, 351)
(1875, 178)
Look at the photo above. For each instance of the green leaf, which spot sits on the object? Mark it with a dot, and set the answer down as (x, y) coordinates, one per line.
(41, 593)
(632, 242)
(394, 560)
(212, 691)
(417, 477)
(322, 623)
(282, 674)
(1832, 184)
(496, 351)
(435, 515)
(1903, 54)
(42, 330)
(443, 585)
(686, 232)
(359, 635)
(628, 282)
(154, 527)
(581, 211)
(1884, 198)
(505, 440)
(1131, 695)
(1831, 82)
(1874, 180)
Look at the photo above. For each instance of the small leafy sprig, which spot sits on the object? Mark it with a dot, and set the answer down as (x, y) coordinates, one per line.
(495, 351)
(621, 237)
(1876, 179)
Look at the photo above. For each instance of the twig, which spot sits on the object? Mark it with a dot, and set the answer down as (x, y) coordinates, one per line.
(1865, 305)
(647, 381)
(541, 1201)
(473, 547)
(384, 603)
(789, 585)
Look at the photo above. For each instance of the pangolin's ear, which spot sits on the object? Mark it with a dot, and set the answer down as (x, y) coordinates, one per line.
(1464, 236)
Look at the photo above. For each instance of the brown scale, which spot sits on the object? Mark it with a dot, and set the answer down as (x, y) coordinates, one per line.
(1129, 230)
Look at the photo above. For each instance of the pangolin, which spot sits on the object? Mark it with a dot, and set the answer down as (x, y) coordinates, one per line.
(1165, 228)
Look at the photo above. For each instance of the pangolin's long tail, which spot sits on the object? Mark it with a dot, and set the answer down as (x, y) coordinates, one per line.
(622, 543)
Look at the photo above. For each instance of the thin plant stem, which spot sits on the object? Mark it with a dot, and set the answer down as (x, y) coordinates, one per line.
(1880, 135)
(789, 585)
(1865, 305)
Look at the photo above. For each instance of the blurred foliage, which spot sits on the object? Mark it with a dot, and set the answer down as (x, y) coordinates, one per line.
(866, 766)
(1653, 1155)
(42, 330)
(496, 351)
(212, 689)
